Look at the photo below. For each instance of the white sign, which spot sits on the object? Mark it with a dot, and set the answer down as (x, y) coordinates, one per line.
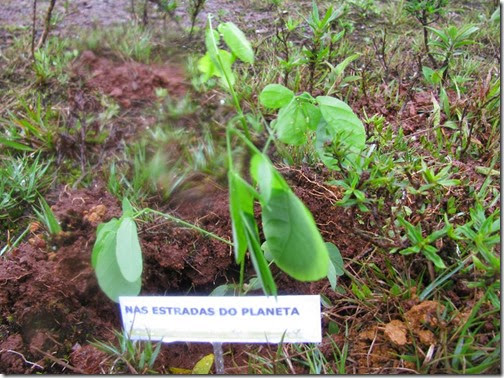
(293, 318)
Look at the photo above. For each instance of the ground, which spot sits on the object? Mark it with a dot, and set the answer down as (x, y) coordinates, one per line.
(116, 107)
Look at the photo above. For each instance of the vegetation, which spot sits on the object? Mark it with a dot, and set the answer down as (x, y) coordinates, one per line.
(389, 112)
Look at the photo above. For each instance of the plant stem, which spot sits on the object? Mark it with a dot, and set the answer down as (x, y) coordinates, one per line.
(228, 81)
(47, 25)
(182, 222)
(34, 22)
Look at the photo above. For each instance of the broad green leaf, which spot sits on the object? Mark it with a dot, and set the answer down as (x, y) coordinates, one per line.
(240, 201)
(275, 96)
(237, 42)
(110, 278)
(128, 252)
(204, 365)
(107, 241)
(342, 123)
(295, 119)
(256, 254)
(293, 238)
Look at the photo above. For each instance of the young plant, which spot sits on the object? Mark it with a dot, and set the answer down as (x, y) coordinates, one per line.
(195, 7)
(47, 217)
(426, 12)
(331, 121)
(136, 356)
(321, 40)
(117, 257)
(422, 244)
(450, 42)
(482, 234)
(288, 226)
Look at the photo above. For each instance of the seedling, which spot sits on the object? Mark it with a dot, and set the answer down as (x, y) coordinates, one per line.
(422, 244)
(47, 217)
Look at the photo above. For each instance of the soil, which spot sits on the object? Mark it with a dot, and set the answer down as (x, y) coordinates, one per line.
(130, 83)
(50, 304)
(71, 310)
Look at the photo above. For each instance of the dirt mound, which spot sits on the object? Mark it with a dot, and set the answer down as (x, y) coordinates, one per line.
(50, 302)
(130, 83)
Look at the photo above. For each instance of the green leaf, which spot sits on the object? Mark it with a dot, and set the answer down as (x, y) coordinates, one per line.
(102, 232)
(52, 222)
(342, 123)
(128, 252)
(335, 258)
(338, 70)
(324, 138)
(262, 172)
(211, 68)
(336, 267)
(431, 254)
(109, 275)
(127, 208)
(258, 261)
(237, 42)
(204, 365)
(211, 42)
(295, 119)
(293, 238)
(12, 144)
(240, 201)
(275, 96)
(207, 67)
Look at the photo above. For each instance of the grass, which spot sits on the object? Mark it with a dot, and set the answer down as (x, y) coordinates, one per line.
(425, 192)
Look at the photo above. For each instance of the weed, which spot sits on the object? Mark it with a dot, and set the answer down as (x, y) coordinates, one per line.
(130, 356)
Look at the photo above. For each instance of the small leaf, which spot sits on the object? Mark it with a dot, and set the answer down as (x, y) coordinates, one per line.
(237, 42)
(127, 209)
(222, 290)
(336, 267)
(180, 371)
(204, 365)
(275, 96)
(128, 251)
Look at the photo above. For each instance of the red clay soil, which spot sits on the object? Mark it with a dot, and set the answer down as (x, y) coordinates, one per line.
(130, 83)
(50, 302)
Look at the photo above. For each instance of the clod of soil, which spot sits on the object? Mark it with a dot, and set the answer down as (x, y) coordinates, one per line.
(130, 83)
